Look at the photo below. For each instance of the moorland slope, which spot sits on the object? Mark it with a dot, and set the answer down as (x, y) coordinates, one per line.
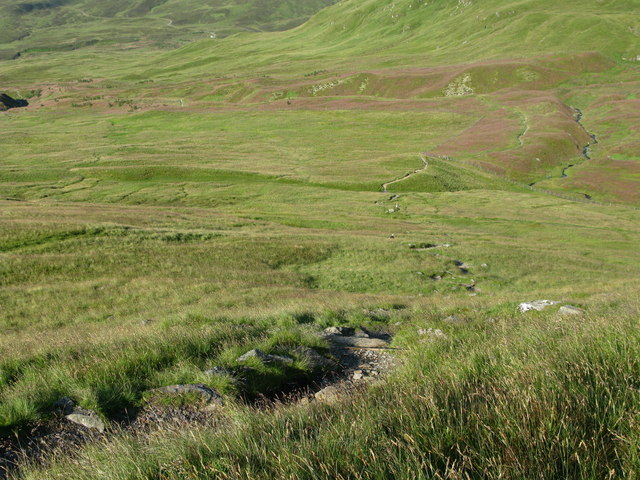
(397, 167)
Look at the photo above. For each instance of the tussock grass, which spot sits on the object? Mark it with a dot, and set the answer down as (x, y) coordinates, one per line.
(545, 396)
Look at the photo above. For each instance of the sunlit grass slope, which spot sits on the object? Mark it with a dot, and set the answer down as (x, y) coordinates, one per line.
(380, 33)
(62, 25)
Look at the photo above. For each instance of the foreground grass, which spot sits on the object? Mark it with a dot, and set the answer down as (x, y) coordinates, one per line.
(520, 396)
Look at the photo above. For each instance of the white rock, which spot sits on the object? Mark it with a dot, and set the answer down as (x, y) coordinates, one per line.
(431, 332)
(537, 305)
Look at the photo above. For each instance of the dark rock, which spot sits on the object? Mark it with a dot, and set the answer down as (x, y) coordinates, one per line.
(8, 102)
(463, 267)
(65, 405)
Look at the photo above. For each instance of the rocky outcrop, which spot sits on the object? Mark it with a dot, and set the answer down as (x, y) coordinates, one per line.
(6, 102)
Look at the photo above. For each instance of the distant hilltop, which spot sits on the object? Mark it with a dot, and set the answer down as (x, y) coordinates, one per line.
(6, 102)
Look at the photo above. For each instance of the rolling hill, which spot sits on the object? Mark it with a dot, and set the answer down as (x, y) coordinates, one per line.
(171, 201)
(64, 25)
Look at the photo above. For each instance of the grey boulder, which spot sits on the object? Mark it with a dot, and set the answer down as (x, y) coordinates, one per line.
(86, 418)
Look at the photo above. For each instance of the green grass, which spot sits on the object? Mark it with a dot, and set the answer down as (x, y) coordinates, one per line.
(165, 210)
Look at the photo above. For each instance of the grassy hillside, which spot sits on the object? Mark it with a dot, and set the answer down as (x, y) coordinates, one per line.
(163, 210)
(63, 25)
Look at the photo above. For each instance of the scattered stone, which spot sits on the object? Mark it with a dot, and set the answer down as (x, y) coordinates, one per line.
(471, 287)
(463, 267)
(217, 371)
(484, 265)
(358, 375)
(146, 321)
(570, 310)
(264, 357)
(65, 405)
(345, 331)
(315, 361)
(432, 332)
(537, 305)
(328, 394)
(436, 278)
(207, 394)
(358, 341)
(86, 418)
(392, 236)
(361, 334)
